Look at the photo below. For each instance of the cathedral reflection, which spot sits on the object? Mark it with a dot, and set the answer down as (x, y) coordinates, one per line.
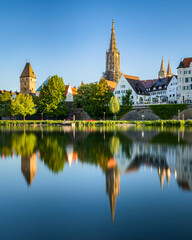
(112, 184)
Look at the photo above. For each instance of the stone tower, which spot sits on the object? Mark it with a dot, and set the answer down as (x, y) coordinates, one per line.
(112, 72)
(162, 72)
(28, 80)
(169, 72)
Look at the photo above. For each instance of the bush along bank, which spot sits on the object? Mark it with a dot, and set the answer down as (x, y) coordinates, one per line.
(167, 111)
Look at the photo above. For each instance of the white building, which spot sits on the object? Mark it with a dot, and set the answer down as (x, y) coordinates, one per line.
(172, 89)
(69, 93)
(184, 72)
(139, 94)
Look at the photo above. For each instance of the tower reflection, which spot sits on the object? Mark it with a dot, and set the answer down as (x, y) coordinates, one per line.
(29, 167)
(112, 184)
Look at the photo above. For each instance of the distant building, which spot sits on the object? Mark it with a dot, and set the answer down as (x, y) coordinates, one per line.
(184, 72)
(133, 83)
(69, 93)
(112, 72)
(28, 80)
(158, 92)
(43, 84)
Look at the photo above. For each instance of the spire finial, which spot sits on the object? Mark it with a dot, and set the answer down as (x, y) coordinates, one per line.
(113, 46)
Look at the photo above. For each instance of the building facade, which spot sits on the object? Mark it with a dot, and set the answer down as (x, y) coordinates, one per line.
(112, 72)
(28, 80)
(138, 92)
(184, 73)
(172, 89)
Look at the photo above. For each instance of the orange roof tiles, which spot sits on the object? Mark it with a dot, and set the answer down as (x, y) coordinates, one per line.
(74, 91)
(111, 85)
(132, 77)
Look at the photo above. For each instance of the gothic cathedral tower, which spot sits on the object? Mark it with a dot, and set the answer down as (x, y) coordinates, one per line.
(112, 72)
(162, 72)
(28, 80)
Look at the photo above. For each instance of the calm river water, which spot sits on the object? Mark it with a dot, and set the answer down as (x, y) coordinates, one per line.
(95, 183)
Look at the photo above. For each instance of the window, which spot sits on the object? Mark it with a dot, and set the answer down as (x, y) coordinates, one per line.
(169, 95)
(186, 80)
(173, 95)
(189, 71)
(122, 86)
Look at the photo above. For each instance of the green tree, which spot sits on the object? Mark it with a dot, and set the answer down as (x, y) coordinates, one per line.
(23, 105)
(52, 97)
(5, 104)
(127, 98)
(114, 105)
(94, 98)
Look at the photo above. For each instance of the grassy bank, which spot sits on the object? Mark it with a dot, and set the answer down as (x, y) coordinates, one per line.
(29, 122)
(96, 123)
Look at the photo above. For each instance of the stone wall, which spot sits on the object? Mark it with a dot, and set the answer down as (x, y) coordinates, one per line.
(187, 113)
(140, 114)
(79, 113)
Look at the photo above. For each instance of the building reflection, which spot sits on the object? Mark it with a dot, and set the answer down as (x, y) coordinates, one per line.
(112, 184)
(29, 167)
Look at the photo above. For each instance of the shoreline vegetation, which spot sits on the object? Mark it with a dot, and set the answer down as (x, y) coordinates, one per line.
(95, 123)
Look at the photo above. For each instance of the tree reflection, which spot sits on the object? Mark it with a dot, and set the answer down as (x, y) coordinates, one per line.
(52, 148)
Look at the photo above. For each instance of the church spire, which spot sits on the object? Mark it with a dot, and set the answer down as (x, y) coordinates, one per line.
(162, 72)
(169, 72)
(113, 45)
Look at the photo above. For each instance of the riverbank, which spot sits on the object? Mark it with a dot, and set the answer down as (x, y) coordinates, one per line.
(95, 123)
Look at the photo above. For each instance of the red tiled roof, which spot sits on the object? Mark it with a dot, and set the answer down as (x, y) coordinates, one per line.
(187, 61)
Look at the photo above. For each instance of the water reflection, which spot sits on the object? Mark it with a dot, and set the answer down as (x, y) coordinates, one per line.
(116, 151)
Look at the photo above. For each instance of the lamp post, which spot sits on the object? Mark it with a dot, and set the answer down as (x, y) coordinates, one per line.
(104, 116)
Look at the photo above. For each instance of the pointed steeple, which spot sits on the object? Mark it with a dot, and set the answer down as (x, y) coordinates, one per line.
(113, 45)
(162, 72)
(169, 72)
(162, 65)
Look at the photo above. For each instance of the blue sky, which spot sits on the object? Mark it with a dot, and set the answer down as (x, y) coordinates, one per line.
(70, 38)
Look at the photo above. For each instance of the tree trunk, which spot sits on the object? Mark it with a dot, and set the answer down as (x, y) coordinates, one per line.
(23, 117)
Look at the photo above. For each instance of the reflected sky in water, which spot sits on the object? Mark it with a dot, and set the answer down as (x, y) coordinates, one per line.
(91, 183)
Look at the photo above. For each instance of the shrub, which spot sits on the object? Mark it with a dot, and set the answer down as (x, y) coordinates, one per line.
(167, 111)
